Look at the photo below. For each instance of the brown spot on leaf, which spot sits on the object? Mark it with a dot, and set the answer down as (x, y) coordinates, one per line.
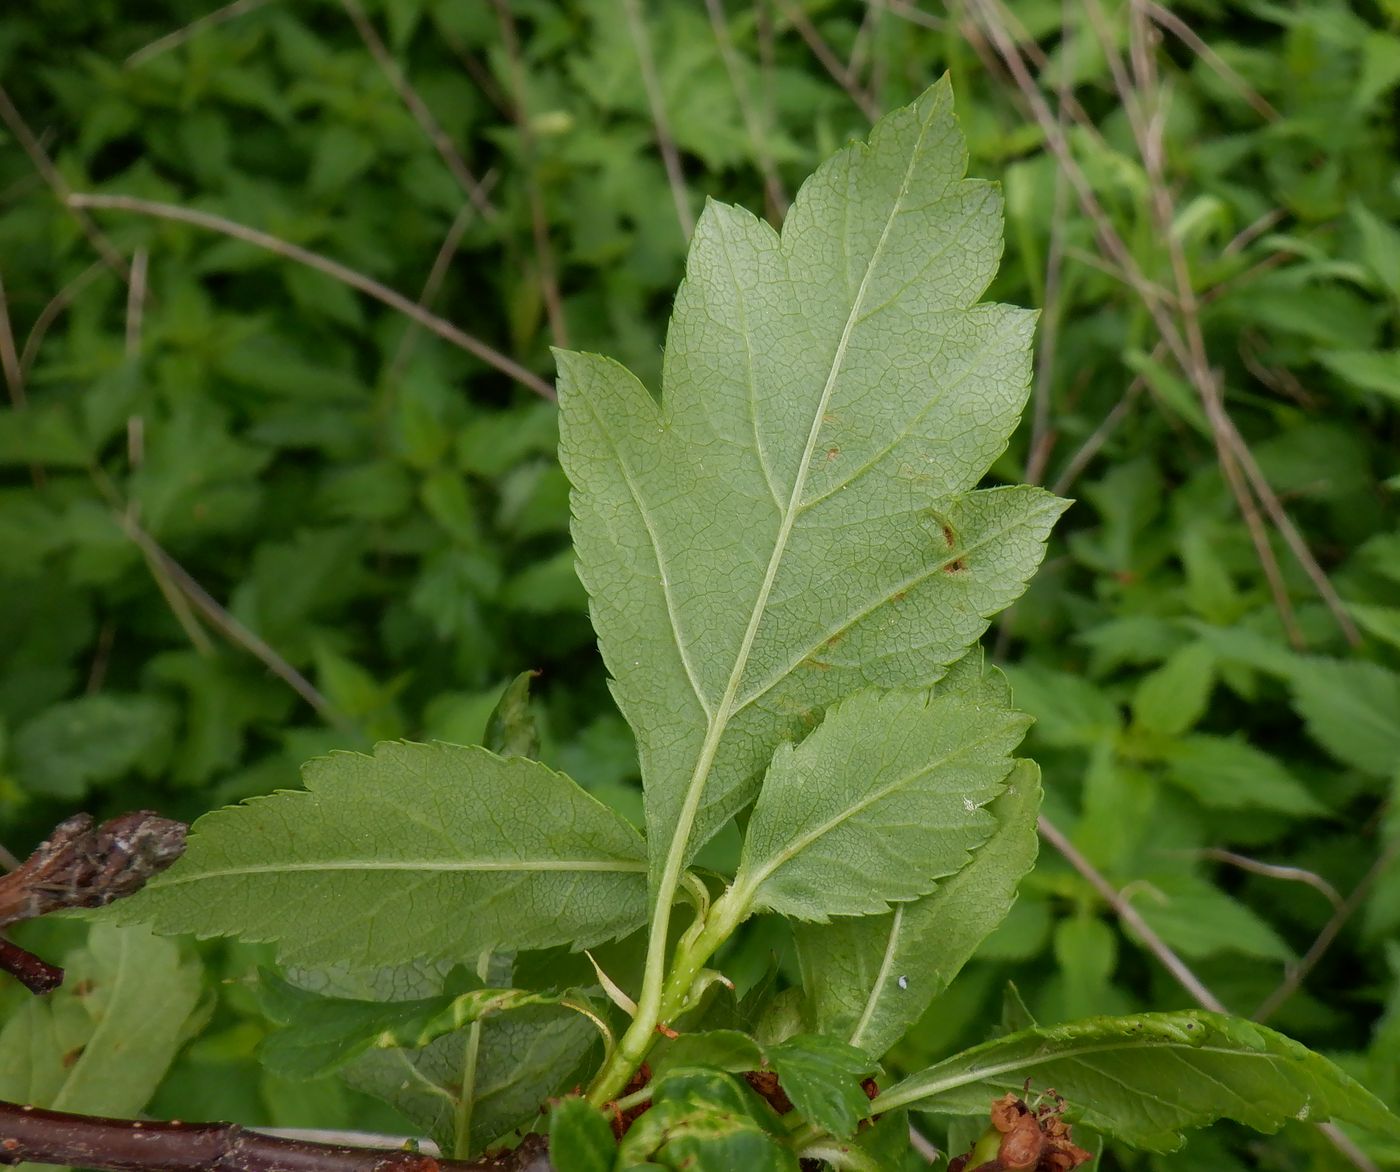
(70, 1059)
(956, 566)
(832, 453)
(948, 534)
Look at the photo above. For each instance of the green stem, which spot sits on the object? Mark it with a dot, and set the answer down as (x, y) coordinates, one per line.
(673, 999)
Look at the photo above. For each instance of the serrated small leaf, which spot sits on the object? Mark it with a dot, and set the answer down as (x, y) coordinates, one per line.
(798, 519)
(1352, 709)
(884, 799)
(701, 1121)
(1146, 1078)
(1171, 699)
(869, 979)
(728, 1050)
(822, 1077)
(1229, 774)
(427, 851)
(580, 1139)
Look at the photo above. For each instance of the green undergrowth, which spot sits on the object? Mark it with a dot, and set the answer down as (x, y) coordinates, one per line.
(381, 522)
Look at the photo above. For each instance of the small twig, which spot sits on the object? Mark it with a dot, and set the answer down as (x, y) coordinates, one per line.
(31, 1134)
(322, 264)
(441, 140)
(34, 974)
(1298, 973)
(233, 630)
(49, 314)
(907, 11)
(1187, 36)
(539, 222)
(136, 301)
(829, 61)
(1098, 437)
(194, 28)
(9, 354)
(665, 143)
(441, 262)
(773, 189)
(1131, 917)
(1040, 441)
(1272, 871)
(12, 118)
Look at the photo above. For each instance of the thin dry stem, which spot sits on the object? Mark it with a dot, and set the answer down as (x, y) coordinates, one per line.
(12, 118)
(356, 280)
(49, 314)
(9, 354)
(1131, 917)
(205, 603)
(441, 140)
(773, 189)
(539, 223)
(436, 274)
(136, 301)
(174, 39)
(1272, 871)
(828, 59)
(1298, 973)
(907, 11)
(665, 143)
(1187, 36)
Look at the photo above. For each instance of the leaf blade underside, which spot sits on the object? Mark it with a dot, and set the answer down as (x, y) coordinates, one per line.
(419, 851)
(870, 978)
(797, 519)
(878, 804)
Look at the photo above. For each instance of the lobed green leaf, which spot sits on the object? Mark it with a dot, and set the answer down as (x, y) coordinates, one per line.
(796, 520)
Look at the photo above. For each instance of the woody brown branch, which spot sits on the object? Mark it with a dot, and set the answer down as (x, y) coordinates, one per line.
(89, 1141)
(82, 866)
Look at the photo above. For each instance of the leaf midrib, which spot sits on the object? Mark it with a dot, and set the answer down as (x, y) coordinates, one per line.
(720, 720)
(410, 865)
(896, 1097)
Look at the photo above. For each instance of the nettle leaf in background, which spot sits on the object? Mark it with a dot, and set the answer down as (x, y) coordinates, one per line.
(1146, 1078)
(419, 851)
(796, 519)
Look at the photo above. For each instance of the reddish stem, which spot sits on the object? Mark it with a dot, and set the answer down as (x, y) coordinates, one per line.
(86, 1141)
(28, 969)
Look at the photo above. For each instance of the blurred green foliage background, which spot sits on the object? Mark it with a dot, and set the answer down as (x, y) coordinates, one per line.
(249, 513)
